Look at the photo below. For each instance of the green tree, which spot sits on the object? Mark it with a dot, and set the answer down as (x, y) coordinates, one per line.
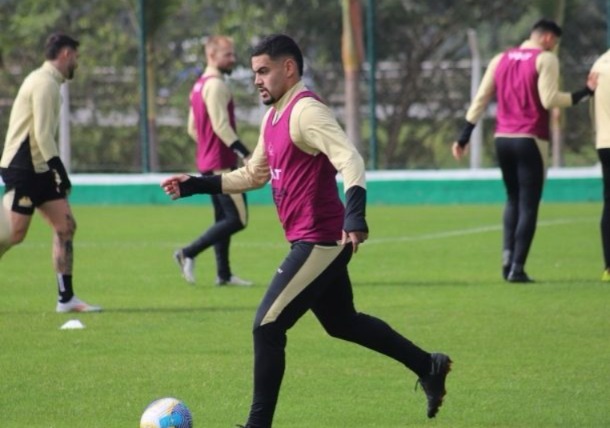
(422, 82)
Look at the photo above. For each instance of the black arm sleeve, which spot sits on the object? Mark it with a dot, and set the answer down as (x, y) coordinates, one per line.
(464, 137)
(355, 210)
(577, 96)
(209, 184)
(61, 175)
(239, 149)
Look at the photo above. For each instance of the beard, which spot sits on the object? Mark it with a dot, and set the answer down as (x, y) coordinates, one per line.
(70, 75)
(226, 70)
(267, 101)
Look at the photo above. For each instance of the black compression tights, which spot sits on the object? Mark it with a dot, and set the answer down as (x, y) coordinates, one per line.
(604, 157)
(523, 174)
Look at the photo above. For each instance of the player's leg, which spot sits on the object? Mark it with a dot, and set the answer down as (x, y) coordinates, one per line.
(58, 214)
(18, 205)
(508, 167)
(299, 281)
(185, 257)
(5, 229)
(232, 219)
(336, 312)
(604, 157)
(229, 222)
(17, 219)
(530, 173)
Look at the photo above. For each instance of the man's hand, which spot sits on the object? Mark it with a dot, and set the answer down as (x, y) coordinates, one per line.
(458, 151)
(171, 186)
(356, 238)
(592, 80)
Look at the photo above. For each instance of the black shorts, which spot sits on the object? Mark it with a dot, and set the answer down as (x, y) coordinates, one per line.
(31, 189)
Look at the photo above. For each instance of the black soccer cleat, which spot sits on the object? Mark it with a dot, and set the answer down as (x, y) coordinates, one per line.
(505, 271)
(434, 382)
(518, 277)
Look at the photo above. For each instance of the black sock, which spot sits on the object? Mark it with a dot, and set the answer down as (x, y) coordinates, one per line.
(64, 287)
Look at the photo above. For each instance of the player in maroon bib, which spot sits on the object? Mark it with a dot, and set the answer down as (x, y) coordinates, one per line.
(525, 81)
(300, 150)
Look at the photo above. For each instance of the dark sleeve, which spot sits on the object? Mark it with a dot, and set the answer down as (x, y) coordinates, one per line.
(464, 137)
(61, 175)
(355, 210)
(239, 149)
(577, 96)
(209, 184)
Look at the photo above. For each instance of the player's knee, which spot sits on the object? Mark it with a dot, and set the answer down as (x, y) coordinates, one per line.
(236, 225)
(5, 229)
(269, 335)
(18, 235)
(340, 329)
(66, 231)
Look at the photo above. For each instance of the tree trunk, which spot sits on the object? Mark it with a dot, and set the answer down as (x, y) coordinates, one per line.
(556, 113)
(352, 53)
(151, 120)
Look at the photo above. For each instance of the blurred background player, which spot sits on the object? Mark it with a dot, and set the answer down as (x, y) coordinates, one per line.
(211, 124)
(601, 121)
(300, 149)
(33, 174)
(525, 81)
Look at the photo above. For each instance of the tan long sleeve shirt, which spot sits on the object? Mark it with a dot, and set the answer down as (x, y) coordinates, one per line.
(31, 139)
(313, 129)
(547, 66)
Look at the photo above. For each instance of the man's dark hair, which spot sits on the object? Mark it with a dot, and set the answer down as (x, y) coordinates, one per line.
(547, 26)
(56, 42)
(277, 46)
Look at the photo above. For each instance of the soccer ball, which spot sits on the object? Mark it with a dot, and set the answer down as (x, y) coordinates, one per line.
(166, 412)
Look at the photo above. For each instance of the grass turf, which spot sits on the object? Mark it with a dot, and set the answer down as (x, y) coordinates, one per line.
(524, 355)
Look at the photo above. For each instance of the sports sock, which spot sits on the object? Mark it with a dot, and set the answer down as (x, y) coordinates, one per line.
(64, 287)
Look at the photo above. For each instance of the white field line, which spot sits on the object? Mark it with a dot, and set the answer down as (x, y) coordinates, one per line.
(278, 244)
(471, 231)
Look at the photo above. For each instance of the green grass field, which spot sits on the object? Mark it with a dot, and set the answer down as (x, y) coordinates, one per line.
(524, 355)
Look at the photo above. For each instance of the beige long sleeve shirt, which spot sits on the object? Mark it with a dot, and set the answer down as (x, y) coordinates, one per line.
(313, 129)
(547, 66)
(34, 121)
(601, 102)
(216, 97)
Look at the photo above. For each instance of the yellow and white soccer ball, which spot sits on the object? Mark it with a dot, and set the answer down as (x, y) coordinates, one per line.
(166, 412)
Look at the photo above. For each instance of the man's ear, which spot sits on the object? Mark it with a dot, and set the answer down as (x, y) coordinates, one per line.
(290, 66)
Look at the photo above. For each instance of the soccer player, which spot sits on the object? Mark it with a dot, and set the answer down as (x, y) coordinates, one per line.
(300, 149)
(601, 121)
(211, 124)
(33, 174)
(525, 81)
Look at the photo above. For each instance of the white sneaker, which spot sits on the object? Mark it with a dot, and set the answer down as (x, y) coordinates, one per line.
(187, 266)
(234, 280)
(76, 305)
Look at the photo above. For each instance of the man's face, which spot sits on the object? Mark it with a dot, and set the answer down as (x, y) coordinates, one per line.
(270, 78)
(69, 58)
(549, 41)
(224, 57)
